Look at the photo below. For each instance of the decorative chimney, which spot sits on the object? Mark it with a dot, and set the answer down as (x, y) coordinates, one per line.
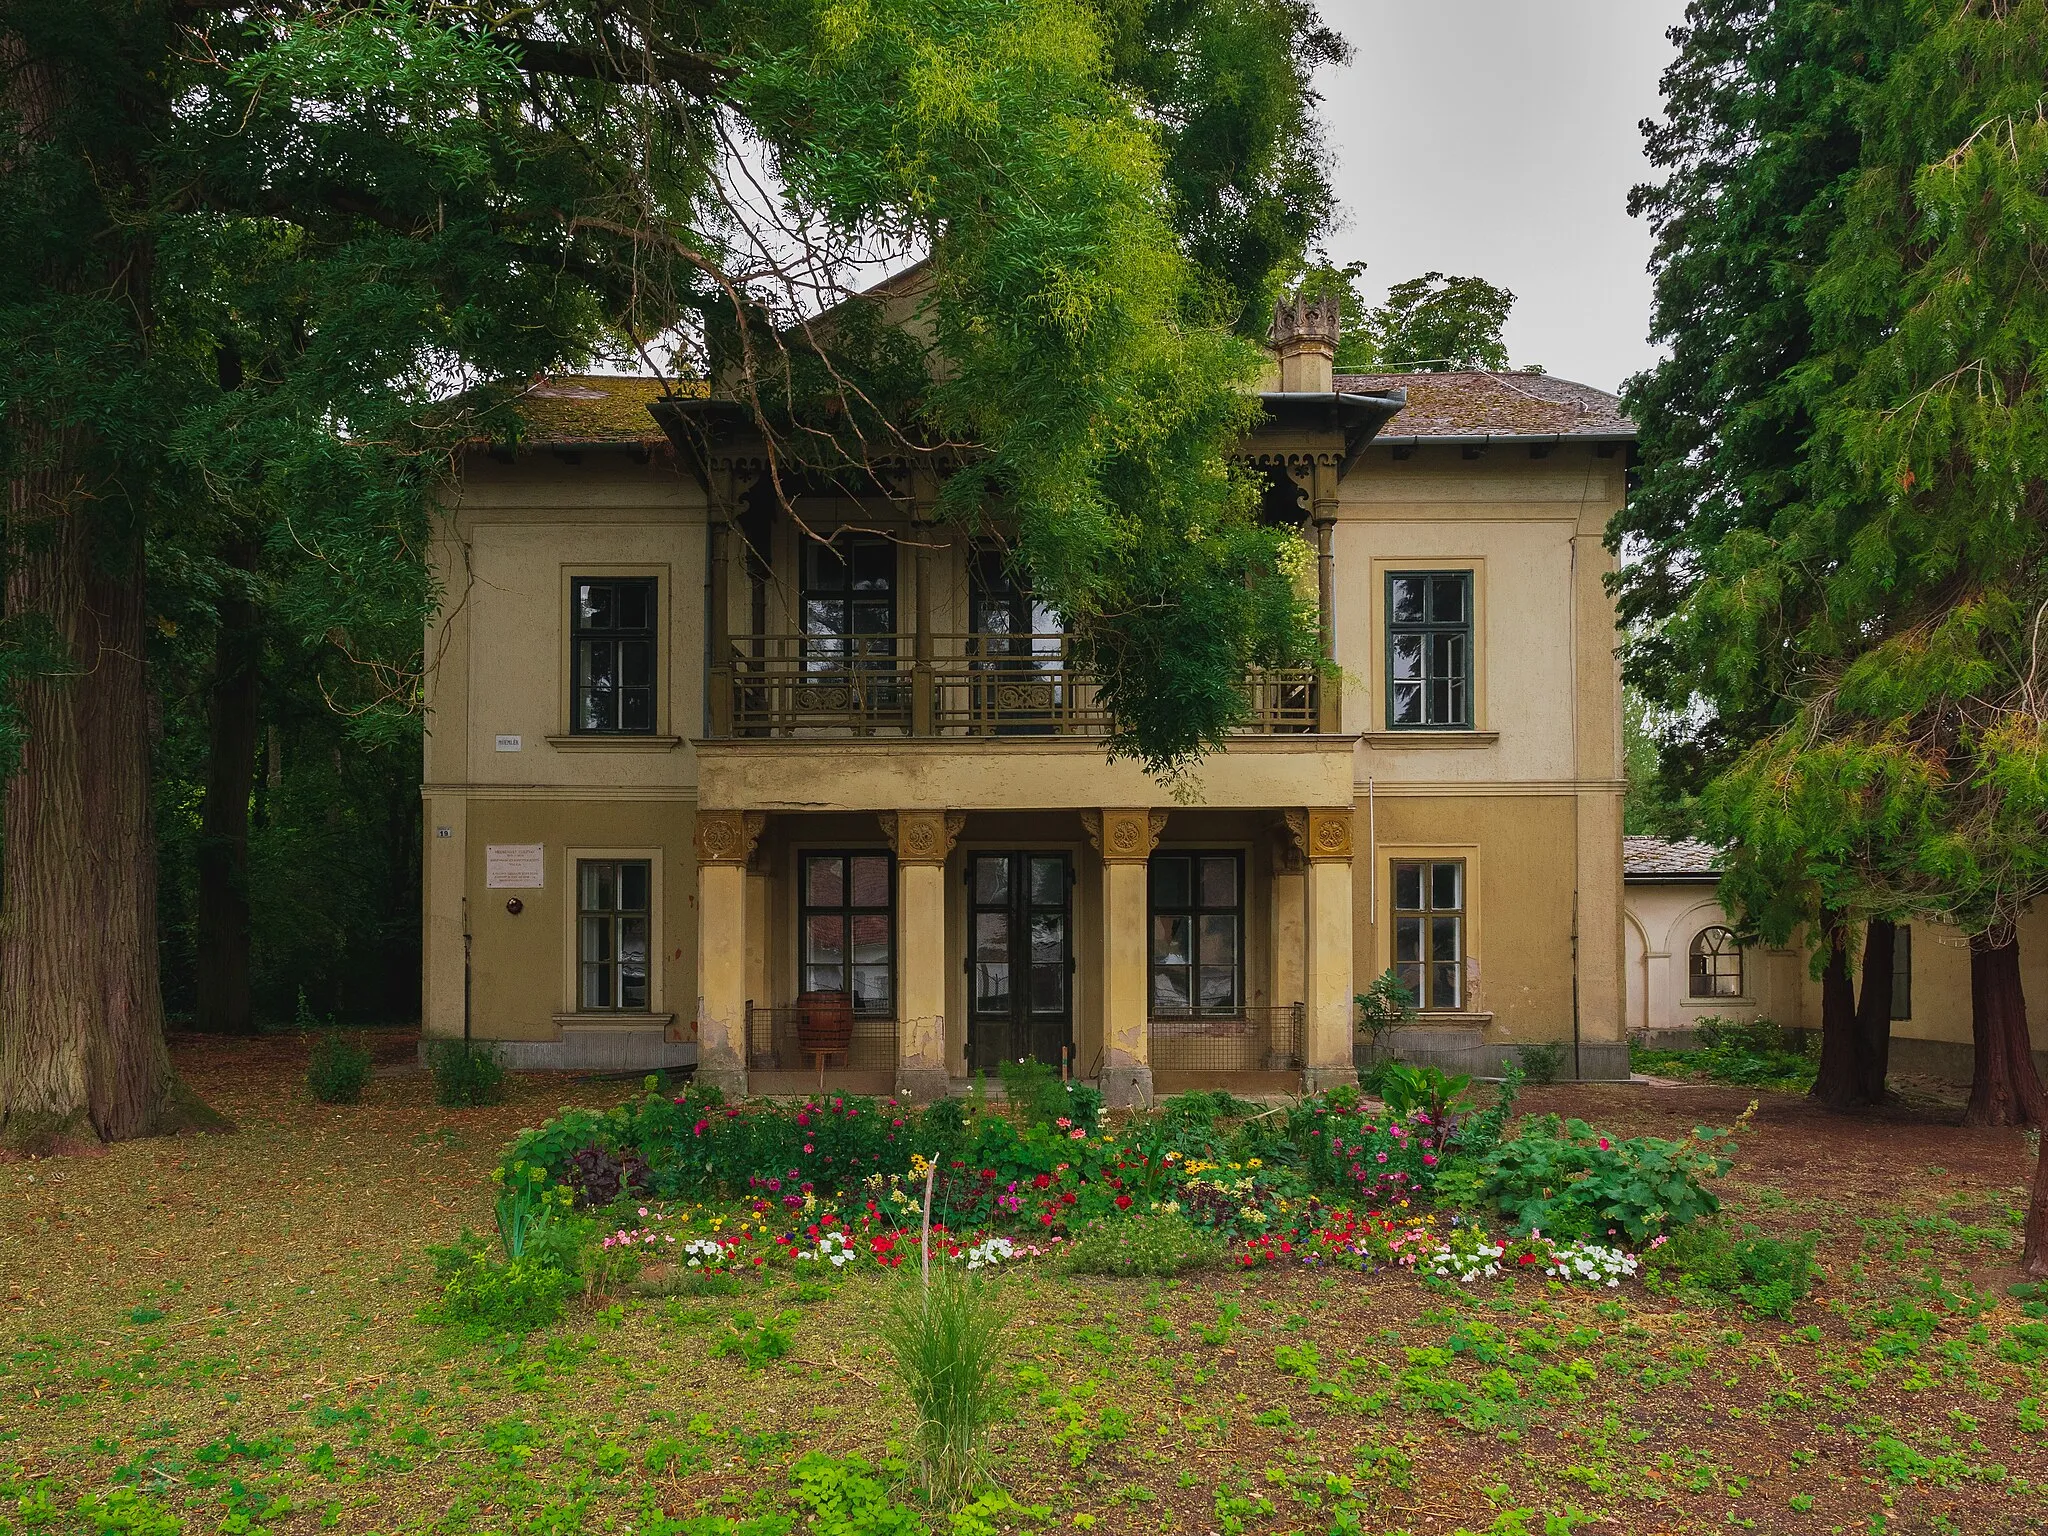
(1305, 336)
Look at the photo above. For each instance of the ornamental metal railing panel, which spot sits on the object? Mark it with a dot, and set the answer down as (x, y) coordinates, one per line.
(1021, 685)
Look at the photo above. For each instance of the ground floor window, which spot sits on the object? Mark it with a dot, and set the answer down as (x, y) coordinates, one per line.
(611, 934)
(849, 929)
(1429, 930)
(1715, 966)
(1197, 922)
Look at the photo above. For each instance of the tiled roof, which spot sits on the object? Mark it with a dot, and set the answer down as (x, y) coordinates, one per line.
(1655, 858)
(1493, 404)
(587, 409)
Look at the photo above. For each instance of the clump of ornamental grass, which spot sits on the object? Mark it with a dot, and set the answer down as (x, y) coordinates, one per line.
(944, 1337)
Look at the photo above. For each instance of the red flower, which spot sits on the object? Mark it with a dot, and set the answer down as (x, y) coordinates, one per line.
(1045, 1220)
(1123, 1202)
(1067, 1198)
(1527, 1258)
(1043, 1181)
(1604, 1143)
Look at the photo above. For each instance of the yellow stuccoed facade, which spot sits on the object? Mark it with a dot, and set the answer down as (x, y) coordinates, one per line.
(800, 814)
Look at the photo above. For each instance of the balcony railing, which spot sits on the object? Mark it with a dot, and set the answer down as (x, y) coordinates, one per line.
(962, 685)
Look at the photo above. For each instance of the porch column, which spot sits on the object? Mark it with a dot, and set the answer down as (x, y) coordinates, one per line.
(725, 839)
(1289, 928)
(1327, 1050)
(1125, 839)
(922, 840)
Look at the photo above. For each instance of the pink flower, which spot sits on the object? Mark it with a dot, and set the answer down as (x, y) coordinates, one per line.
(809, 1148)
(1382, 1157)
(1429, 1159)
(1604, 1144)
(1076, 1134)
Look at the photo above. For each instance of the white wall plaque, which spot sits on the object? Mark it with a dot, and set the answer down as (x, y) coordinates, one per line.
(508, 743)
(517, 865)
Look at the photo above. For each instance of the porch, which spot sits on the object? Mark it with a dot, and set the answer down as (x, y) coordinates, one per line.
(1151, 950)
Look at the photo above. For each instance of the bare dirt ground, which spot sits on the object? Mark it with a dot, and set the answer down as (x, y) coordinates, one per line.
(222, 1334)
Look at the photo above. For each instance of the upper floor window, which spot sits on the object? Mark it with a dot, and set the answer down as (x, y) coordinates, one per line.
(612, 639)
(1715, 965)
(849, 597)
(1429, 650)
(1197, 902)
(1429, 930)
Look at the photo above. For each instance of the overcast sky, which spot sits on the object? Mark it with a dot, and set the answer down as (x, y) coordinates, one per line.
(1499, 138)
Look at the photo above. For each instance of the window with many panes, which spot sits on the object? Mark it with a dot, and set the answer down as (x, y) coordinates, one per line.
(612, 640)
(1197, 914)
(612, 916)
(1429, 930)
(1714, 968)
(849, 929)
(849, 600)
(1429, 650)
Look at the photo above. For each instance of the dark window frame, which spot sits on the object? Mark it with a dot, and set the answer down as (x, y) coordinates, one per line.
(847, 910)
(1728, 948)
(614, 918)
(1429, 630)
(584, 634)
(1194, 910)
(842, 645)
(1423, 987)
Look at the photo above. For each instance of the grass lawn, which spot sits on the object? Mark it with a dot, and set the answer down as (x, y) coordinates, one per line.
(221, 1334)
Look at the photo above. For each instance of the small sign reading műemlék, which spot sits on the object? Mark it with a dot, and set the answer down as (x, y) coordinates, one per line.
(516, 865)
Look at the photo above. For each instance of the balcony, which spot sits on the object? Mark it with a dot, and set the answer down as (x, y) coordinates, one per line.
(955, 685)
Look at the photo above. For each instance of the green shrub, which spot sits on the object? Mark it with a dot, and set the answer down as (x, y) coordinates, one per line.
(1749, 1053)
(517, 1296)
(339, 1068)
(1034, 1091)
(1541, 1063)
(1161, 1243)
(1386, 1004)
(466, 1073)
(1566, 1181)
(944, 1343)
(1767, 1273)
(1407, 1089)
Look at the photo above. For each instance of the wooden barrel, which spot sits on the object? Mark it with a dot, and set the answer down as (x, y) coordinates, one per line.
(824, 1022)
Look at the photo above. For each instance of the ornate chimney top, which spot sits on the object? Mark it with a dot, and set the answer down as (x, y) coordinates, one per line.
(1305, 330)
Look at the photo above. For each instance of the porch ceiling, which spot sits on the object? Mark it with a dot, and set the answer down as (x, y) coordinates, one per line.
(1005, 773)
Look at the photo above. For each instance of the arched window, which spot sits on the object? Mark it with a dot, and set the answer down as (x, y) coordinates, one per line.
(1716, 968)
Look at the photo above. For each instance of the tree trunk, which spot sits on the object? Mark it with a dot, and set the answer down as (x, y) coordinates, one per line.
(223, 1004)
(2005, 1088)
(49, 931)
(1838, 1084)
(2034, 1256)
(1874, 1009)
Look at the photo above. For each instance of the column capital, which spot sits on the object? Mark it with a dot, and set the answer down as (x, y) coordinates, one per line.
(1321, 833)
(1124, 836)
(728, 837)
(922, 837)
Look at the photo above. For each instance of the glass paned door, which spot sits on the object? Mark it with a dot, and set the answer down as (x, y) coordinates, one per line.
(1019, 649)
(1020, 982)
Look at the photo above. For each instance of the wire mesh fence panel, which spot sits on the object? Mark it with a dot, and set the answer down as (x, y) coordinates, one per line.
(778, 1041)
(1252, 1039)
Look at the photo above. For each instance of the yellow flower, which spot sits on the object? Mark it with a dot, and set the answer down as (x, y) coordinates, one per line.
(1254, 1163)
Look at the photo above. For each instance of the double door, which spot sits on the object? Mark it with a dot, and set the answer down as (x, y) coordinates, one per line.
(1020, 958)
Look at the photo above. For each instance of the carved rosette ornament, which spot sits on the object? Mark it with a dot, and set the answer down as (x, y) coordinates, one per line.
(728, 837)
(1321, 834)
(1124, 837)
(922, 837)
